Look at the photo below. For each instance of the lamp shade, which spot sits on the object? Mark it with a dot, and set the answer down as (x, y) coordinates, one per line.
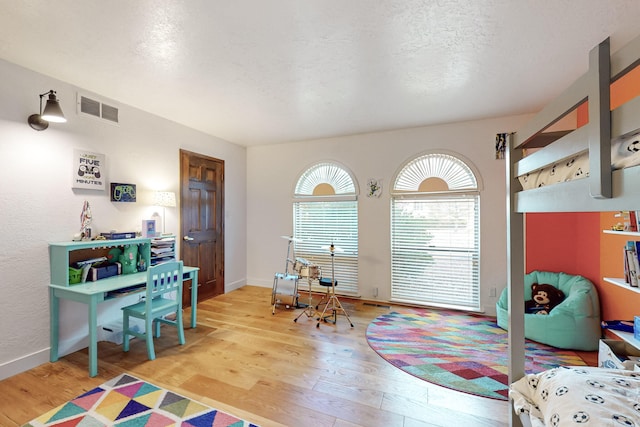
(52, 111)
(165, 199)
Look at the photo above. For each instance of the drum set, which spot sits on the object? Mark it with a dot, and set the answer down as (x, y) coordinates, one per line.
(333, 305)
(311, 272)
(285, 285)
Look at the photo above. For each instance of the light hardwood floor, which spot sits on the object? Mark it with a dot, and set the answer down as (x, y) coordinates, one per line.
(264, 368)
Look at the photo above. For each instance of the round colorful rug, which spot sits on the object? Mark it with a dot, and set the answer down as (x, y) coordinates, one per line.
(463, 352)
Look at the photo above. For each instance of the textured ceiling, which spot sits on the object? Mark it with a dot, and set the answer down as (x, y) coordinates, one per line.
(259, 72)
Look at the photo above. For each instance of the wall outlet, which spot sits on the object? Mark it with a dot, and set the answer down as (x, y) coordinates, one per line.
(375, 292)
(492, 292)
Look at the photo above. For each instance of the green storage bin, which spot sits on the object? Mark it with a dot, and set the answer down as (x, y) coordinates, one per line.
(75, 275)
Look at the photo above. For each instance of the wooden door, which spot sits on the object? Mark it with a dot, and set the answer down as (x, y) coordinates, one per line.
(202, 222)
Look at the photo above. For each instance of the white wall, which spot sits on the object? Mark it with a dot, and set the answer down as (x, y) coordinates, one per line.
(38, 205)
(274, 170)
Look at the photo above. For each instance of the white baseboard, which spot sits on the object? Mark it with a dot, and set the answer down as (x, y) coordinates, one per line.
(262, 282)
(228, 287)
(489, 311)
(24, 363)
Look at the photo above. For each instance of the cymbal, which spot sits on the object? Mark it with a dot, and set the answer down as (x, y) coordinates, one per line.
(332, 248)
(292, 239)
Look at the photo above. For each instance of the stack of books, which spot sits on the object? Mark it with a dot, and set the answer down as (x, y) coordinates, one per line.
(163, 249)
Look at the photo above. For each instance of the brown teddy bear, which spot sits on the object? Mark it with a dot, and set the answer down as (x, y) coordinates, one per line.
(543, 299)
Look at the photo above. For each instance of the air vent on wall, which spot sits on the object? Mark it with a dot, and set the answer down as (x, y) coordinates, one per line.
(109, 113)
(98, 109)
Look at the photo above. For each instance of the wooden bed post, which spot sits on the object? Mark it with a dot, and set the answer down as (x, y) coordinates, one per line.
(600, 121)
(515, 274)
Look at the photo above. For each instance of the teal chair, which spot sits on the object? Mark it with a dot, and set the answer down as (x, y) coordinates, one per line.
(573, 324)
(162, 280)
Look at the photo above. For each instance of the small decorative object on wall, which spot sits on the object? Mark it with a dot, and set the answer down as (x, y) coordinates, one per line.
(88, 170)
(501, 145)
(374, 187)
(123, 192)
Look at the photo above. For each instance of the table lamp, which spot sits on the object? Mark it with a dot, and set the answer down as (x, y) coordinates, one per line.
(164, 199)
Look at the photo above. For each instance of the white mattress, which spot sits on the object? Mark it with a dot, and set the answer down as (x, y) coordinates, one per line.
(624, 153)
(579, 395)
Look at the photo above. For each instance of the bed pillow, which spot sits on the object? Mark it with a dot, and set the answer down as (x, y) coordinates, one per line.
(579, 396)
(625, 152)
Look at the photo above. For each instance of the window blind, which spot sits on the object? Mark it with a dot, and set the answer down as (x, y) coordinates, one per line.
(321, 223)
(435, 251)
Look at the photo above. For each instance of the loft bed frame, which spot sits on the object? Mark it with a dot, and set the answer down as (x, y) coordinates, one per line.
(603, 190)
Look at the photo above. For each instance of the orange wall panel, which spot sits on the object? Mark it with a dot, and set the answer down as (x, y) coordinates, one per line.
(582, 116)
(626, 88)
(575, 244)
(567, 242)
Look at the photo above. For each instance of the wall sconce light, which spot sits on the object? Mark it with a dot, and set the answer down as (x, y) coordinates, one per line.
(51, 113)
(164, 199)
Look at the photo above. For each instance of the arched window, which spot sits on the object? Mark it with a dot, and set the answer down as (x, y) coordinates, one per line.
(435, 234)
(325, 212)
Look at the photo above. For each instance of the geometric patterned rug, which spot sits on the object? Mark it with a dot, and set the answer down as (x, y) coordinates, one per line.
(464, 352)
(126, 401)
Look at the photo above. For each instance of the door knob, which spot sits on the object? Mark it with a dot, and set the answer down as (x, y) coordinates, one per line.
(187, 238)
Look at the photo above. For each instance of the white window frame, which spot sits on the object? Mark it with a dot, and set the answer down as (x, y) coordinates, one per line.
(322, 220)
(435, 235)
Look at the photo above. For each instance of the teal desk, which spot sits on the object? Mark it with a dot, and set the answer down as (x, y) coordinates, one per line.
(92, 294)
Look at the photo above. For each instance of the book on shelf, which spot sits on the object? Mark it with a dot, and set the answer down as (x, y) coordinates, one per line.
(160, 260)
(632, 263)
(636, 258)
(627, 277)
(167, 240)
(118, 236)
(633, 220)
(161, 250)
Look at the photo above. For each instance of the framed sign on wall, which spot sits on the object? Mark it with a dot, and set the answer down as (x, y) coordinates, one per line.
(88, 170)
(123, 192)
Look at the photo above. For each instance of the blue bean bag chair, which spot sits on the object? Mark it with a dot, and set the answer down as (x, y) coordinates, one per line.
(573, 324)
